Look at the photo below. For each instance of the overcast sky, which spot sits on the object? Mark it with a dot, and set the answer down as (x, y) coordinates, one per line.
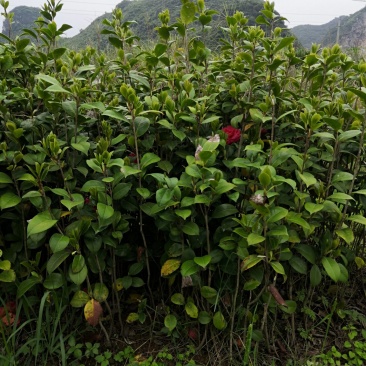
(80, 13)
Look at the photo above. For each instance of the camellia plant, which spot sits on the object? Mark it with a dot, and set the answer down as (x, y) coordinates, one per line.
(219, 185)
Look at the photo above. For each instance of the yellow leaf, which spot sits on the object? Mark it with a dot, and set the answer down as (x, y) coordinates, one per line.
(118, 286)
(132, 317)
(359, 262)
(169, 267)
(65, 213)
(92, 312)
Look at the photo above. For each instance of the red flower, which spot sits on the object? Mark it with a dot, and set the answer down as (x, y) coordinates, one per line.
(233, 134)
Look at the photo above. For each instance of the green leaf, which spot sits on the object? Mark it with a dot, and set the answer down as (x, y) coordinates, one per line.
(341, 177)
(164, 195)
(78, 263)
(224, 210)
(142, 125)
(128, 170)
(331, 268)
(219, 321)
(223, 187)
(70, 108)
(187, 12)
(250, 262)
(177, 299)
(315, 275)
(56, 260)
(27, 285)
(53, 281)
(208, 292)
(357, 218)
(7, 276)
(115, 115)
(105, 212)
(307, 252)
(4, 178)
(9, 199)
(191, 228)
(189, 268)
(57, 89)
(340, 197)
(347, 135)
(58, 242)
(100, 292)
(184, 214)
(121, 190)
(5, 265)
(143, 192)
(307, 178)
(78, 278)
(203, 261)
(191, 310)
(296, 218)
(276, 214)
(193, 171)
(298, 264)
(40, 223)
(135, 269)
(148, 159)
(170, 322)
(254, 239)
(278, 267)
(313, 208)
(346, 234)
(79, 299)
(285, 42)
(204, 317)
(251, 284)
(82, 146)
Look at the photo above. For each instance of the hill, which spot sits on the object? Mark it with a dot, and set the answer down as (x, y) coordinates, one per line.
(308, 34)
(352, 32)
(145, 12)
(24, 17)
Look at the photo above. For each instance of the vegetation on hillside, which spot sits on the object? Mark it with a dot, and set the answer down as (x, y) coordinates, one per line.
(308, 34)
(145, 14)
(24, 17)
(167, 193)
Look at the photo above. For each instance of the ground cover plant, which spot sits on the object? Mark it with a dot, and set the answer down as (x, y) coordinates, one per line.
(173, 193)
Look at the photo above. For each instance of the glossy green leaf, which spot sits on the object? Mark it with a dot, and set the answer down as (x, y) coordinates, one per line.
(79, 277)
(315, 275)
(9, 199)
(331, 268)
(56, 260)
(26, 285)
(100, 292)
(105, 212)
(189, 268)
(58, 242)
(224, 210)
(219, 321)
(148, 159)
(191, 309)
(254, 239)
(79, 299)
(298, 264)
(208, 292)
(170, 322)
(190, 228)
(204, 317)
(53, 281)
(203, 261)
(177, 299)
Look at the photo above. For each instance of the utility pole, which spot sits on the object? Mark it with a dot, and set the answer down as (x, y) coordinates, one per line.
(338, 30)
